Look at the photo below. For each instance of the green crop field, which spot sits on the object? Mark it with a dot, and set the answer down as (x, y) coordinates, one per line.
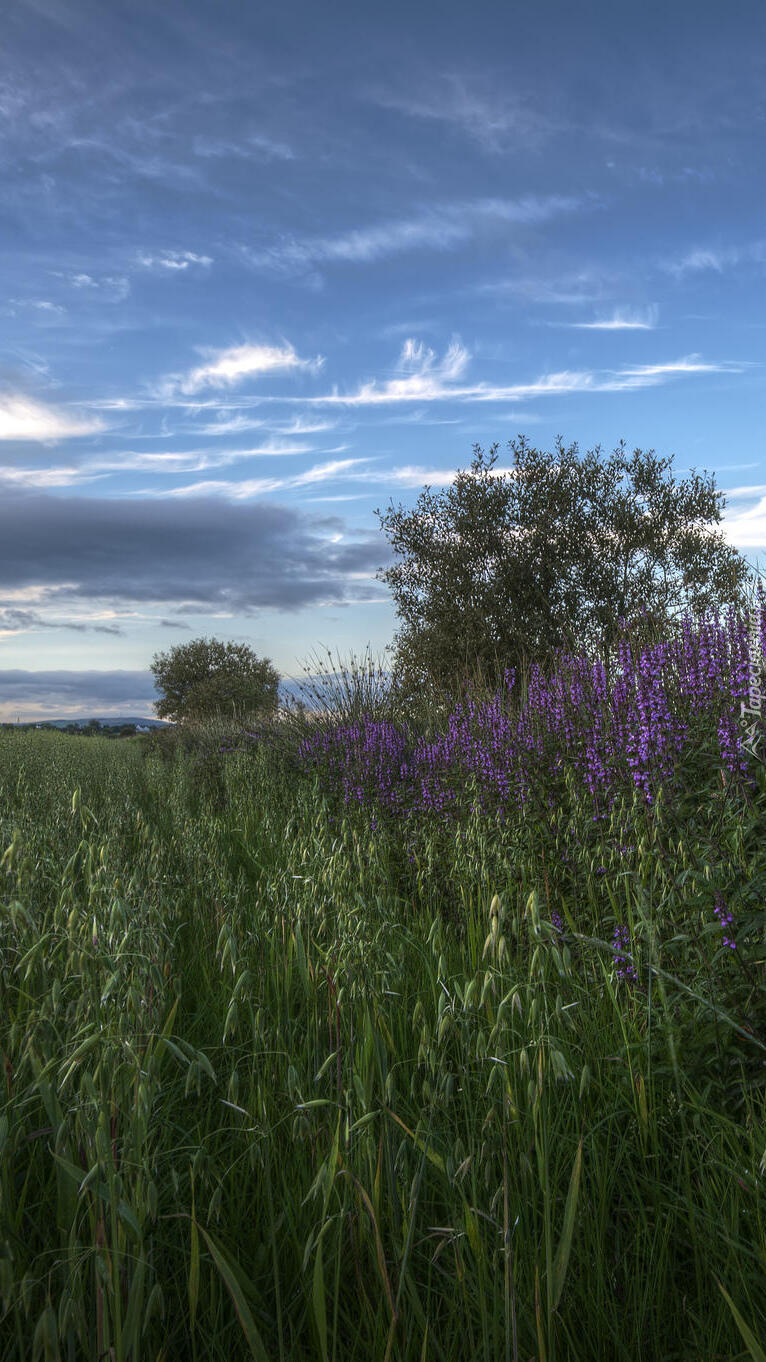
(279, 1082)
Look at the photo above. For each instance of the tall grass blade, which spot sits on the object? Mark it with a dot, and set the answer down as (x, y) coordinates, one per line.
(751, 1342)
(561, 1261)
(228, 1273)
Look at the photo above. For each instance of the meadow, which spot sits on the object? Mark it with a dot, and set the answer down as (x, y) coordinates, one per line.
(423, 1036)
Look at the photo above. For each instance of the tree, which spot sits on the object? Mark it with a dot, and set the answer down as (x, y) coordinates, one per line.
(206, 678)
(503, 568)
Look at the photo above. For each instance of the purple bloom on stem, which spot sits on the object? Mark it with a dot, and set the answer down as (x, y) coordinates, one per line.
(621, 956)
(725, 918)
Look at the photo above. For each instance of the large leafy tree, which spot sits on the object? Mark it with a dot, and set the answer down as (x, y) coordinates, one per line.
(208, 678)
(505, 567)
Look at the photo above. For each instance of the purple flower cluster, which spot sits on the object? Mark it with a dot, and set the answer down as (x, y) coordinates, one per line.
(725, 918)
(621, 956)
(608, 730)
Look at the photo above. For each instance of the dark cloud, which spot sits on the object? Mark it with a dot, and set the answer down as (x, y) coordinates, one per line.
(81, 694)
(16, 621)
(77, 692)
(196, 554)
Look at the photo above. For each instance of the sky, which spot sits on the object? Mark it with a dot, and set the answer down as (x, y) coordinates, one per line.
(267, 268)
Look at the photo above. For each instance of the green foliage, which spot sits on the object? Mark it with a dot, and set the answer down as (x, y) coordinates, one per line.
(497, 570)
(207, 678)
(269, 1088)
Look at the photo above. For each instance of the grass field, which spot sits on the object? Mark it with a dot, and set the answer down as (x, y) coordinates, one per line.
(282, 1082)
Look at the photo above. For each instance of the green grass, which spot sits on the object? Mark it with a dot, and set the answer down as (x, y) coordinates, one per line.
(271, 1090)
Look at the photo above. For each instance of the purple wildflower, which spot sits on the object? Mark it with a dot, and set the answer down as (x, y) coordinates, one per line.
(621, 956)
(725, 918)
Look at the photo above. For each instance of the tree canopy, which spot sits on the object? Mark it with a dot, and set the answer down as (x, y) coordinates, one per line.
(207, 678)
(503, 567)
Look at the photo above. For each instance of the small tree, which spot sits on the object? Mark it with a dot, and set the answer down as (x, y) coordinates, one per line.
(502, 568)
(207, 678)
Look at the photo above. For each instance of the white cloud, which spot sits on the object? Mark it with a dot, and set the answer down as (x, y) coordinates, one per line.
(442, 228)
(175, 260)
(424, 378)
(698, 260)
(38, 304)
(351, 470)
(620, 320)
(256, 146)
(113, 288)
(192, 460)
(411, 476)
(717, 259)
(570, 289)
(23, 419)
(647, 375)
(427, 380)
(299, 426)
(746, 529)
(225, 368)
(233, 425)
(756, 490)
(492, 118)
(43, 477)
(253, 487)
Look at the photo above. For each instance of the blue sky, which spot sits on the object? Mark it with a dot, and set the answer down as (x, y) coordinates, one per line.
(267, 267)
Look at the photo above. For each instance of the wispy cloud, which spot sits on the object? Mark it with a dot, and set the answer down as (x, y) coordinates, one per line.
(568, 289)
(300, 426)
(420, 376)
(166, 463)
(423, 377)
(746, 528)
(226, 368)
(444, 227)
(254, 487)
(38, 305)
(409, 476)
(698, 260)
(619, 321)
(11, 476)
(427, 380)
(175, 260)
(233, 425)
(754, 490)
(23, 419)
(19, 621)
(189, 461)
(715, 258)
(493, 119)
(110, 288)
(254, 147)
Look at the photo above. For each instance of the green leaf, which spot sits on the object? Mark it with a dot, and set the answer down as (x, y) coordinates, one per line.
(318, 1301)
(45, 1343)
(194, 1266)
(131, 1329)
(128, 1217)
(561, 1261)
(751, 1342)
(228, 1273)
(419, 1142)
